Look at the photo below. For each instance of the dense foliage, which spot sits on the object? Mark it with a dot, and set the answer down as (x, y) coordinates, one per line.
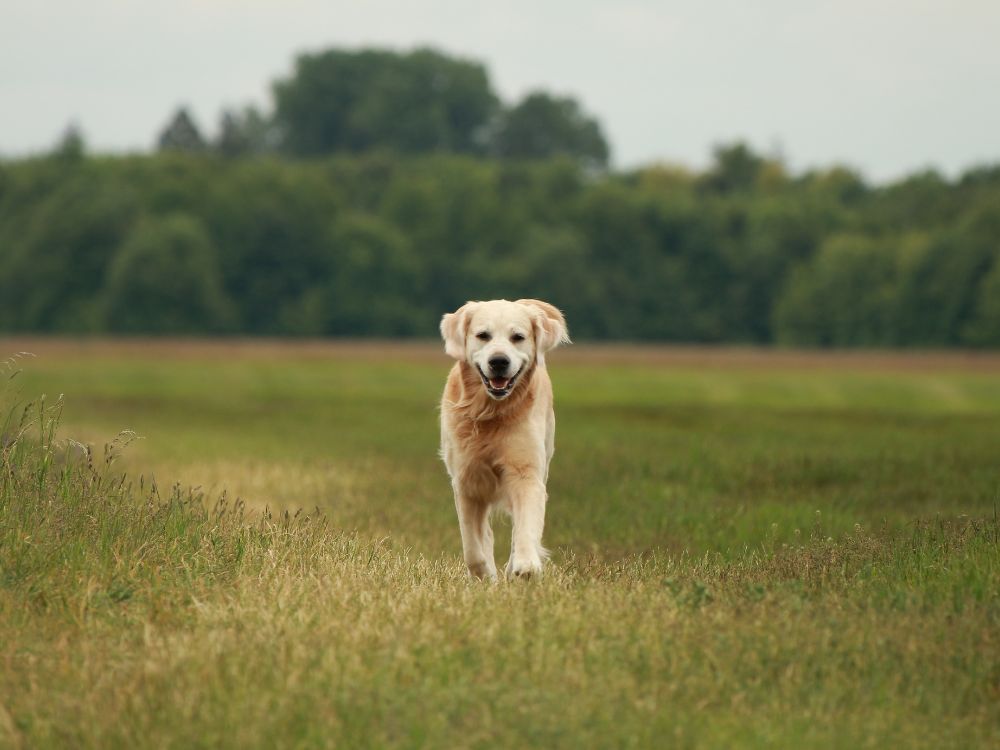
(340, 100)
(418, 102)
(381, 245)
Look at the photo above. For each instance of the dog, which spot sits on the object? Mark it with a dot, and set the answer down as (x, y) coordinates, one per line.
(498, 426)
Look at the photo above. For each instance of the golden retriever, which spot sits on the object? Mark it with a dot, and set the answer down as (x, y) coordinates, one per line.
(498, 427)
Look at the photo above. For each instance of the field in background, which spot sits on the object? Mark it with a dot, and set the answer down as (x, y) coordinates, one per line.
(750, 548)
(676, 449)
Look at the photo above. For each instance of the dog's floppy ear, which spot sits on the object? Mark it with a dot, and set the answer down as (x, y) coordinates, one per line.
(550, 325)
(454, 327)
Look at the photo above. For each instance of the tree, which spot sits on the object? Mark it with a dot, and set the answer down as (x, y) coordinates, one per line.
(839, 183)
(412, 102)
(541, 126)
(165, 279)
(52, 261)
(372, 287)
(984, 327)
(938, 294)
(845, 296)
(181, 134)
(245, 132)
(736, 168)
(270, 222)
(71, 145)
(920, 200)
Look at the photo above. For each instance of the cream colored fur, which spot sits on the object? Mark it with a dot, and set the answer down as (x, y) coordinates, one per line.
(497, 444)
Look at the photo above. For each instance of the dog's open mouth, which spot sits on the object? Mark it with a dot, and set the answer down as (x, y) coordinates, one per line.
(498, 387)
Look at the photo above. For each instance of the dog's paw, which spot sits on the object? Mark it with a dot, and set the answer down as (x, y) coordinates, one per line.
(523, 570)
(483, 571)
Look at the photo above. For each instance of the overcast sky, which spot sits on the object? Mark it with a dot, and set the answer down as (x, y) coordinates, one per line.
(886, 86)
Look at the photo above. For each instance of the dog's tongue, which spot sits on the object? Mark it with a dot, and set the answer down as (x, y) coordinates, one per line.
(499, 383)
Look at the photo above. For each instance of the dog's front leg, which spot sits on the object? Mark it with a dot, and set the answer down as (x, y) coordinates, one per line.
(527, 503)
(477, 536)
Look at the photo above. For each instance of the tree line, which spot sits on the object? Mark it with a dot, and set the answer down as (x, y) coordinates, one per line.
(381, 245)
(355, 223)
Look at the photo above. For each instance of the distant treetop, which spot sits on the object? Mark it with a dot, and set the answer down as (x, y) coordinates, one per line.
(181, 134)
(344, 101)
(408, 102)
(541, 126)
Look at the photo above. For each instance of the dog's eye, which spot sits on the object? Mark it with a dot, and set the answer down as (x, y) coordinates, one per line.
(517, 338)
(483, 336)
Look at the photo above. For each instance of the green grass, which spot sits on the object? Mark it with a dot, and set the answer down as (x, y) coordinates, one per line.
(744, 556)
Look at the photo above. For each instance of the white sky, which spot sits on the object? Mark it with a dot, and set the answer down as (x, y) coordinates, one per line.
(886, 86)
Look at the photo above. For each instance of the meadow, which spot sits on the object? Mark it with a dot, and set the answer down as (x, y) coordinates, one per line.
(751, 549)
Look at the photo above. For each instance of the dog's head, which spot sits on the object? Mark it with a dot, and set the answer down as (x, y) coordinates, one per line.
(502, 339)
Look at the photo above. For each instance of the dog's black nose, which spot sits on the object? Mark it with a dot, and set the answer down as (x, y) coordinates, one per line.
(499, 364)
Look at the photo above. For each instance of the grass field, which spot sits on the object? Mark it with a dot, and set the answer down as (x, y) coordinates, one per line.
(750, 549)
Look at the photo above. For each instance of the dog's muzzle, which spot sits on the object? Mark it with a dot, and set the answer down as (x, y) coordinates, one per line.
(499, 387)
